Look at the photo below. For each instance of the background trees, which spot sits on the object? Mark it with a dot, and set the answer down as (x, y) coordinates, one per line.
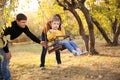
(92, 19)
(6, 8)
(106, 15)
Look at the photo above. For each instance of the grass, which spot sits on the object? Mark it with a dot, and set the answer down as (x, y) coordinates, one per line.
(26, 59)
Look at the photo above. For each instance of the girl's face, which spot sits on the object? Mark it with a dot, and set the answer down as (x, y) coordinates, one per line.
(55, 25)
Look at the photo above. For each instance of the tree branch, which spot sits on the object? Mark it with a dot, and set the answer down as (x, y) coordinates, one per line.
(62, 5)
(67, 2)
(59, 3)
(69, 5)
(74, 3)
(82, 1)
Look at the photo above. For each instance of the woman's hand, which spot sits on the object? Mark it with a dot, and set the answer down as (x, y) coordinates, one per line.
(44, 44)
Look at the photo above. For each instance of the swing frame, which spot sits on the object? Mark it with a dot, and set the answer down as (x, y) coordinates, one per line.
(58, 47)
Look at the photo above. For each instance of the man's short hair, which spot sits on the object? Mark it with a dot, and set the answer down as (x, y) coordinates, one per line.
(21, 16)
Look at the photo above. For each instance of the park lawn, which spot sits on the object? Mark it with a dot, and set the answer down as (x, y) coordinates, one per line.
(26, 59)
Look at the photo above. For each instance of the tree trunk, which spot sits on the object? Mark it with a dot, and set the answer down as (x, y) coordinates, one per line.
(114, 26)
(90, 27)
(115, 39)
(102, 31)
(81, 29)
(3, 2)
(71, 8)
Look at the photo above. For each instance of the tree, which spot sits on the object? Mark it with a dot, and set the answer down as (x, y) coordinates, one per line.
(102, 31)
(6, 7)
(107, 13)
(72, 5)
(2, 6)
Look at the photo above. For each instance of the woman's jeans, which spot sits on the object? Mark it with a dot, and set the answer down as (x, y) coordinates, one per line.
(43, 55)
(70, 45)
(4, 62)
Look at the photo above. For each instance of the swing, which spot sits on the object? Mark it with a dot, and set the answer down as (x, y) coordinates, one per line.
(52, 48)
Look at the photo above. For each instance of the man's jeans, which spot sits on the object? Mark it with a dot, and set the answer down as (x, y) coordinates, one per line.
(4, 62)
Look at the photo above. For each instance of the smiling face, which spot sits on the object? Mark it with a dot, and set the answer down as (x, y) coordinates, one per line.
(55, 24)
(21, 20)
(21, 23)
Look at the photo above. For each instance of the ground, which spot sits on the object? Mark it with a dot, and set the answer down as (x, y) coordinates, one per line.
(26, 59)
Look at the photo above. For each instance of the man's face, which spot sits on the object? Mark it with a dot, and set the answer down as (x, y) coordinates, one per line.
(21, 23)
(55, 25)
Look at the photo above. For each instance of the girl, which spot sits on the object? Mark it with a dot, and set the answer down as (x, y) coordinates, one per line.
(70, 45)
(44, 38)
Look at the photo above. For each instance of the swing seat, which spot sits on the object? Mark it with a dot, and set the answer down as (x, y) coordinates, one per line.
(58, 47)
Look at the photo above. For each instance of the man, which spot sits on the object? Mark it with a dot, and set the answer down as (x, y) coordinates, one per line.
(18, 27)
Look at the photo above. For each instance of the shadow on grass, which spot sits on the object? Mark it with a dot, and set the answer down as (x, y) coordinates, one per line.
(81, 73)
(109, 55)
(64, 73)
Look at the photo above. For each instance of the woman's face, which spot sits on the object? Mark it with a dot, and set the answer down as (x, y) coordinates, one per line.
(55, 25)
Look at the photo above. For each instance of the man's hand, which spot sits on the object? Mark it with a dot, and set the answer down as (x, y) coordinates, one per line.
(44, 44)
(8, 55)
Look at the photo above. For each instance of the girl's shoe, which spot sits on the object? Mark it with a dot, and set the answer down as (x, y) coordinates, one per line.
(84, 52)
(75, 54)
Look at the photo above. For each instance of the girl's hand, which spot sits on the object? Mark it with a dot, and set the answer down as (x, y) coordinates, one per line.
(53, 31)
(62, 26)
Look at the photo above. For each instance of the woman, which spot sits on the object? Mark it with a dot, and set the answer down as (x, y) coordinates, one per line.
(44, 38)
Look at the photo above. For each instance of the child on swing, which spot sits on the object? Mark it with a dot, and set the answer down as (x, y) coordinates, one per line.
(54, 32)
